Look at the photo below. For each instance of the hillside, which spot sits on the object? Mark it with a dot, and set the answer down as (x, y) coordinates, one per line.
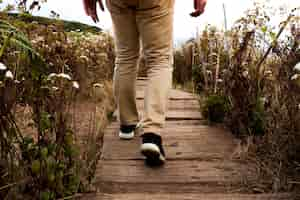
(68, 25)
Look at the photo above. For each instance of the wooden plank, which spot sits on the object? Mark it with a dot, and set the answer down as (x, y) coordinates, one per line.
(141, 84)
(177, 123)
(189, 196)
(182, 131)
(205, 147)
(142, 78)
(112, 187)
(178, 115)
(192, 171)
(184, 115)
(181, 104)
(174, 95)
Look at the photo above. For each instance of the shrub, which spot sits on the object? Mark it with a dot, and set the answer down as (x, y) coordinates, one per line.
(215, 108)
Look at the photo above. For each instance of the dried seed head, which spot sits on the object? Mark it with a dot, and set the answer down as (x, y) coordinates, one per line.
(64, 76)
(9, 75)
(55, 88)
(75, 85)
(297, 67)
(268, 72)
(295, 77)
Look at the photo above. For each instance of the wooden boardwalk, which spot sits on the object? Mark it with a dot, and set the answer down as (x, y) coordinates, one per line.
(200, 163)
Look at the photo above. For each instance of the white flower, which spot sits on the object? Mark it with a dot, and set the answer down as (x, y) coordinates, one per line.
(75, 85)
(2, 67)
(65, 76)
(9, 75)
(297, 67)
(251, 27)
(219, 80)
(268, 72)
(55, 88)
(245, 74)
(295, 77)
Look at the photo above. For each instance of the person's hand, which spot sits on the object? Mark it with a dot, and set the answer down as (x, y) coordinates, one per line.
(199, 6)
(90, 7)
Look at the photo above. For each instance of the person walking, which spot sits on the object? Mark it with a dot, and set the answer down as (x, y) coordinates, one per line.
(145, 25)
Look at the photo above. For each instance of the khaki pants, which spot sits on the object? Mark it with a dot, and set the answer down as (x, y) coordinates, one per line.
(146, 25)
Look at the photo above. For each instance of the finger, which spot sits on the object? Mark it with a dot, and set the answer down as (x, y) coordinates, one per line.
(196, 4)
(95, 17)
(203, 6)
(85, 6)
(101, 5)
(200, 9)
(94, 11)
(197, 13)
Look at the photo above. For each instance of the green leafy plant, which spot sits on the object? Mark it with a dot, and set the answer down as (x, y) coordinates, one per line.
(11, 35)
(215, 108)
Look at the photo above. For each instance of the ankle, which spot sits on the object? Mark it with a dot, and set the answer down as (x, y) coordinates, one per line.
(127, 128)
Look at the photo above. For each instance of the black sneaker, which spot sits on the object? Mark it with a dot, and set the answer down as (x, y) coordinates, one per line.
(152, 149)
(127, 132)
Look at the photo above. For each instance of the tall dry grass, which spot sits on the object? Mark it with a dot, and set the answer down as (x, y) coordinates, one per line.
(248, 78)
(55, 99)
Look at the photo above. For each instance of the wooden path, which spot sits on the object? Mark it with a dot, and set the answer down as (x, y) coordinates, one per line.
(199, 164)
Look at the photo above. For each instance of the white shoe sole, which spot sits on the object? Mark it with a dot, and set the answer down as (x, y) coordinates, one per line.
(126, 136)
(151, 151)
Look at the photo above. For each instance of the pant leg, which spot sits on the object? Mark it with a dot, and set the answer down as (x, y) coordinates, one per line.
(127, 51)
(155, 25)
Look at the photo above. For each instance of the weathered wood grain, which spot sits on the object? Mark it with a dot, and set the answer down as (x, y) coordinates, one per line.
(199, 160)
(193, 148)
(190, 196)
(178, 115)
(181, 142)
(184, 131)
(169, 123)
(181, 104)
(179, 171)
(173, 95)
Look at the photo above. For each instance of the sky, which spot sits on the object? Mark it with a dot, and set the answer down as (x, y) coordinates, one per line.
(185, 27)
